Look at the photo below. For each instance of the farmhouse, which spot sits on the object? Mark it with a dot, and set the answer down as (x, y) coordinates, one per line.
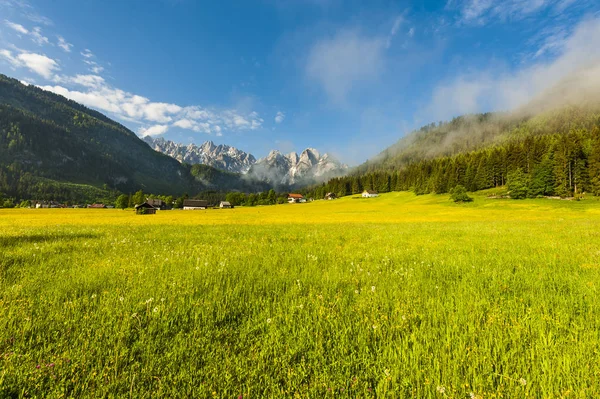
(97, 206)
(370, 194)
(192, 204)
(296, 198)
(145, 209)
(330, 196)
(225, 204)
(157, 203)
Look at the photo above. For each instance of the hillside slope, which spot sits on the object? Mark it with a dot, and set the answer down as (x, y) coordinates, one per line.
(46, 135)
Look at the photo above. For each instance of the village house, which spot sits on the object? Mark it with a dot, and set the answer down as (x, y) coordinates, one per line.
(145, 209)
(225, 204)
(157, 203)
(330, 196)
(192, 204)
(370, 194)
(49, 204)
(296, 198)
(97, 206)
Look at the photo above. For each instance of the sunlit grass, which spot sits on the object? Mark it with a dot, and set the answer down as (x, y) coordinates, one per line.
(397, 296)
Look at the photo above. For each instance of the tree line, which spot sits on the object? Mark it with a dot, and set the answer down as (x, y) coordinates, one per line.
(545, 165)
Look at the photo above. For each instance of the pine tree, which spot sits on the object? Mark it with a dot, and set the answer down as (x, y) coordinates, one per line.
(517, 184)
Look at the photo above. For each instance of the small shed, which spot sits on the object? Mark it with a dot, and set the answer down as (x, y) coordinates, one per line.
(330, 196)
(370, 194)
(145, 209)
(192, 204)
(225, 204)
(97, 206)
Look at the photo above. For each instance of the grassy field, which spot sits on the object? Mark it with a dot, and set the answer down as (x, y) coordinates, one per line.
(397, 296)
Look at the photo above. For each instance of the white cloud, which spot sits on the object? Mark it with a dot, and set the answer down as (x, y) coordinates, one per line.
(504, 90)
(159, 112)
(94, 66)
(37, 37)
(138, 109)
(279, 117)
(35, 34)
(155, 130)
(87, 53)
(38, 63)
(344, 61)
(94, 99)
(184, 124)
(17, 27)
(411, 32)
(62, 43)
(91, 81)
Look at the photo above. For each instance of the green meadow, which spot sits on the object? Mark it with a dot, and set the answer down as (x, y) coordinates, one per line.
(392, 297)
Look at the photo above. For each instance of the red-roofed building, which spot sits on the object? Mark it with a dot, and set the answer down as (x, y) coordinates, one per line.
(296, 198)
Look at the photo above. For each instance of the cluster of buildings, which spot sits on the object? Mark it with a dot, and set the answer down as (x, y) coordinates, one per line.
(56, 204)
(154, 204)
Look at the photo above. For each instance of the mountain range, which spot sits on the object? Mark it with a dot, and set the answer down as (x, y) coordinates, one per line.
(276, 169)
(221, 157)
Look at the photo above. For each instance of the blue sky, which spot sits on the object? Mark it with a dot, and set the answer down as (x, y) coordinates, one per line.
(345, 77)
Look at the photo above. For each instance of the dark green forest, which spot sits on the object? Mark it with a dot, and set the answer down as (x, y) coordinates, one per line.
(556, 153)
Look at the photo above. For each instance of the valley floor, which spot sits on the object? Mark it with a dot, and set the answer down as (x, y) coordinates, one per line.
(396, 296)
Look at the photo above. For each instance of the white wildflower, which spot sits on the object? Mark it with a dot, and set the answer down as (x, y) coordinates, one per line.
(441, 389)
(522, 381)
(373, 288)
(268, 321)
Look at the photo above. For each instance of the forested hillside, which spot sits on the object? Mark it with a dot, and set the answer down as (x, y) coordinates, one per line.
(556, 152)
(55, 148)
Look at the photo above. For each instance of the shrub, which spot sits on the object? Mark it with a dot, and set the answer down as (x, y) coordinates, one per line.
(459, 194)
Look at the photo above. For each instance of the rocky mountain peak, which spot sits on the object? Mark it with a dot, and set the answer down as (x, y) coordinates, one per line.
(276, 168)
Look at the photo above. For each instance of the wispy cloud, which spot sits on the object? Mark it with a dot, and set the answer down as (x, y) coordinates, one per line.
(37, 37)
(16, 27)
(62, 43)
(496, 90)
(26, 10)
(479, 12)
(342, 62)
(34, 34)
(87, 53)
(397, 23)
(279, 117)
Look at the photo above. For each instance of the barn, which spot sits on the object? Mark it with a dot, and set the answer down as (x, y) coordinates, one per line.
(145, 209)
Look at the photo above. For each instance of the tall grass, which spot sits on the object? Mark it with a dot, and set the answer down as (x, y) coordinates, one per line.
(398, 296)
